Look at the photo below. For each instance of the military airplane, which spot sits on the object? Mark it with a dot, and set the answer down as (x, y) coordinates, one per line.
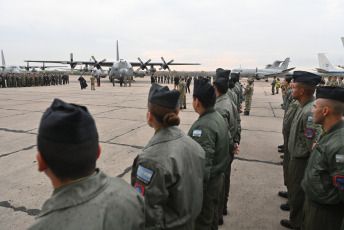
(326, 67)
(120, 66)
(342, 66)
(6, 69)
(269, 71)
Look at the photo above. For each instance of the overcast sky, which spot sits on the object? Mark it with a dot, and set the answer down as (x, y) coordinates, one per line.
(226, 34)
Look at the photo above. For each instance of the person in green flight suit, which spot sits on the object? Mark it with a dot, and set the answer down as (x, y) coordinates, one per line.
(226, 108)
(323, 181)
(169, 172)
(84, 197)
(273, 84)
(302, 133)
(210, 131)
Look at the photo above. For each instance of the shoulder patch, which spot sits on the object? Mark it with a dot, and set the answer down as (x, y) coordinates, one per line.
(340, 158)
(309, 132)
(144, 175)
(310, 118)
(339, 182)
(139, 188)
(197, 133)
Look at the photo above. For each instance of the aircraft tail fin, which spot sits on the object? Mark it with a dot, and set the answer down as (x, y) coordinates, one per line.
(342, 40)
(324, 62)
(117, 52)
(3, 58)
(285, 64)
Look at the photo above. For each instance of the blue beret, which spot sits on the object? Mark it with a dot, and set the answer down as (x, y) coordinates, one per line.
(163, 96)
(306, 77)
(202, 89)
(334, 93)
(67, 123)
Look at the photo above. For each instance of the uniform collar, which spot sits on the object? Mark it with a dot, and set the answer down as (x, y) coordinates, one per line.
(211, 110)
(164, 135)
(311, 99)
(76, 193)
(338, 125)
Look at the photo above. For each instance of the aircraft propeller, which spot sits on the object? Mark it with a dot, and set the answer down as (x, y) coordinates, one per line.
(97, 64)
(165, 65)
(143, 66)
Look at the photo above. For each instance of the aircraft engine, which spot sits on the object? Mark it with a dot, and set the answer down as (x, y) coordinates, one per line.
(164, 65)
(143, 66)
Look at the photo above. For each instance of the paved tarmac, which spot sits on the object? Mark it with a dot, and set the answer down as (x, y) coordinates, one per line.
(120, 115)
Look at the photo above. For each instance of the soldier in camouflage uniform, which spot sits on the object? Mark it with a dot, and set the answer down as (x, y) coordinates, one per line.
(182, 90)
(329, 81)
(302, 133)
(323, 181)
(340, 82)
(248, 96)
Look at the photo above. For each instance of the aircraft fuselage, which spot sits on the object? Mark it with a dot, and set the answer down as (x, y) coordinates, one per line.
(121, 67)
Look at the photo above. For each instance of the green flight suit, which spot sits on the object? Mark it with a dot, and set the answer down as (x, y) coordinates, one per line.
(96, 202)
(323, 182)
(234, 98)
(238, 90)
(302, 134)
(226, 108)
(210, 131)
(287, 121)
(169, 174)
(287, 99)
(273, 83)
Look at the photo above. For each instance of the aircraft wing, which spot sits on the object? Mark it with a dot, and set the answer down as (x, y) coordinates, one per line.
(341, 66)
(74, 62)
(134, 64)
(287, 70)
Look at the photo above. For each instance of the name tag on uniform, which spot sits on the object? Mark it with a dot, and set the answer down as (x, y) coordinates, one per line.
(310, 118)
(144, 175)
(197, 133)
(339, 158)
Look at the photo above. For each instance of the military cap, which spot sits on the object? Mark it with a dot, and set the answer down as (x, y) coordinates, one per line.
(221, 81)
(250, 80)
(163, 96)
(306, 77)
(202, 89)
(329, 92)
(67, 123)
(235, 77)
(288, 79)
(222, 73)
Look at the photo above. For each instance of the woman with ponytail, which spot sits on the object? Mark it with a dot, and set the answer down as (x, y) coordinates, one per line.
(169, 171)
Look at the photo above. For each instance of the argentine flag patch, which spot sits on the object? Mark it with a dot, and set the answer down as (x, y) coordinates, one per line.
(310, 118)
(144, 175)
(197, 133)
(340, 158)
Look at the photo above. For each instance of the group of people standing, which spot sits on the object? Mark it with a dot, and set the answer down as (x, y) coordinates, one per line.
(12, 80)
(313, 160)
(179, 181)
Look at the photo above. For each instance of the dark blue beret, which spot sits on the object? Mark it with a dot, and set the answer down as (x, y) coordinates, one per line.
(334, 93)
(202, 89)
(306, 77)
(163, 96)
(67, 123)
(235, 77)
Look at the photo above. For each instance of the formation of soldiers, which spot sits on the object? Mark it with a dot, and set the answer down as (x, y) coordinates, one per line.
(335, 81)
(167, 195)
(31, 79)
(313, 165)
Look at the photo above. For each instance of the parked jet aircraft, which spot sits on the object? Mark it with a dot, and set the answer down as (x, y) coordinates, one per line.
(326, 67)
(269, 71)
(342, 66)
(120, 66)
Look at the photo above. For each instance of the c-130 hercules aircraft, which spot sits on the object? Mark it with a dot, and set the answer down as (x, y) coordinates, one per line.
(120, 66)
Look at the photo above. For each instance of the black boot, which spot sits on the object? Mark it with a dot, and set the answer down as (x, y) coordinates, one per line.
(283, 194)
(286, 223)
(285, 207)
